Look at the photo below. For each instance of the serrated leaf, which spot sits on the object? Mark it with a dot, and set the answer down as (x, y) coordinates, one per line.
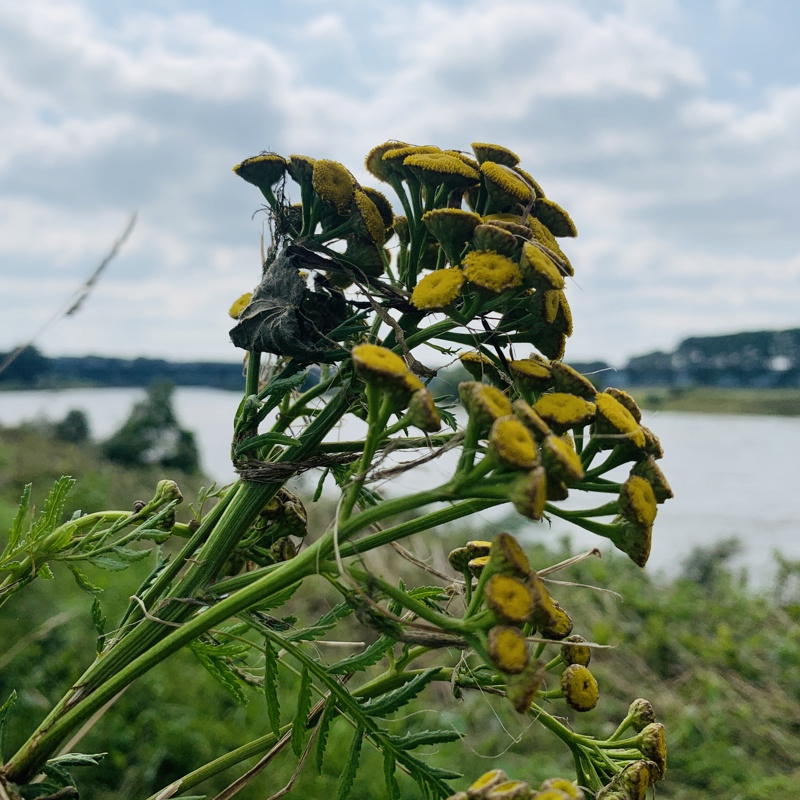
(323, 729)
(77, 760)
(53, 509)
(279, 599)
(299, 729)
(217, 666)
(83, 581)
(5, 711)
(397, 698)
(413, 740)
(44, 572)
(323, 624)
(118, 558)
(367, 658)
(99, 622)
(351, 767)
(389, 767)
(271, 688)
(15, 534)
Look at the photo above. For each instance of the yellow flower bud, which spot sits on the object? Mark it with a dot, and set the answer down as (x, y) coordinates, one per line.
(572, 791)
(484, 403)
(614, 424)
(641, 714)
(528, 493)
(508, 557)
(627, 401)
(652, 742)
(531, 373)
(511, 443)
(508, 649)
(521, 689)
(491, 271)
(509, 598)
(557, 221)
(333, 183)
(490, 237)
(438, 290)
(485, 151)
(560, 460)
(579, 688)
(532, 421)
(510, 790)
(486, 782)
(564, 411)
(637, 778)
(422, 411)
(651, 472)
(376, 364)
(453, 228)
(637, 501)
(574, 651)
(539, 270)
(567, 379)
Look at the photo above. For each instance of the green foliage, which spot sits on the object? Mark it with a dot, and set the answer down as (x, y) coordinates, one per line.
(151, 435)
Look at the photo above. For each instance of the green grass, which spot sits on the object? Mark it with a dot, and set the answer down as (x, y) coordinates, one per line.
(715, 400)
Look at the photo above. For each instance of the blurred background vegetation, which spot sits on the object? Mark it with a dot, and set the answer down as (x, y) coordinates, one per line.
(718, 660)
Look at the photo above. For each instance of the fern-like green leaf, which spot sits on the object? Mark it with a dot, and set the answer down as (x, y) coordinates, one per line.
(15, 535)
(413, 740)
(299, 729)
(323, 730)
(391, 701)
(53, 509)
(271, 688)
(5, 711)
(99, 622)
(83, 581)
(389, 777)
(323, 624)
(351, 767)
(215, 659)
(367, 658)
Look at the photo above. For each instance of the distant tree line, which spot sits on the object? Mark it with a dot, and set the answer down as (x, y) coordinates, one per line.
(769, 359)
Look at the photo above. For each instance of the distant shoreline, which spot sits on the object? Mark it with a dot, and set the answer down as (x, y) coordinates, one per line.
(718, 400)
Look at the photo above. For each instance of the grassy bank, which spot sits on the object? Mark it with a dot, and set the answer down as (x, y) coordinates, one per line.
(718, 662)
(716, 400)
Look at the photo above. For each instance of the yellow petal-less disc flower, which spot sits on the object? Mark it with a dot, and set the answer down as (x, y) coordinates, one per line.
(264, 170)
(511, 223)
(491, 271)
(477, 565)
(530, 180)
(562, 785)
(510, 790)
(651, 472)
(579, 688)
(532, 421)
(440, 169)
(512, 444)
(369, 217)
(301, 168)
(576, 652)
(504, 186)
(615, 424)
(541, 233)
(551, 304)
(483, 403)
(393, 159)
(470, 162)
(375, 362)
(627, 401)
(382, 204)
(528, 493)
(412, 383)
(486, 782)
(521, 689)
(560, 460)
(240, 305)
(508, 557)
(492, 237)
(484, 151)
(558, 626)
(509, 598)
(438, 289)
(334, 184)
(374, 160)
(567, 379)
(637, 501)
(508, 649)
(564, 411)
(453, 228)
(539, 270)
(422, 411)
(531, 373)
(557, 221)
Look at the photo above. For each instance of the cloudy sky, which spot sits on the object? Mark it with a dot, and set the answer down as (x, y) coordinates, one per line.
(670, 129)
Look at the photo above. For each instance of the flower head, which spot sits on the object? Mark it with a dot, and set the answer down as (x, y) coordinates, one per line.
(379, 364)
(496, 239)
(486, 782)
(369, 219)
(564, 411)
(440, 169)
(528, 493)
(509, 598)
(374, 160)
(615, 423)
(579, 688)
(438, 289)
(508, 649)
(453, 228)
(637, 501)
(531, 373)
(567, 379)
(539, 270)
(560, 460)
(333, 183)
(532, 421)
(554, 217)
(575, 651)
(512, 444)
(494, 152)
(422, 411)
(382, 204)
(653, 746)
(651, 472)
(240, 305)
(264, 170)
(504, 187)
(301, 168)
(491, 271)
(484, 403)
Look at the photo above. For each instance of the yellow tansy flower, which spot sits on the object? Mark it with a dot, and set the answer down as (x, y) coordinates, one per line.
(533, 422)
(437, 169)
(539, 270)
(637, 501)
(651, 472)
(486, 782)
(494, 238)
(264, 170)
(615, 423)
(567, 379)
(509, 598)
(504, 186)
(528, 493)
(375, 362)
(422, 411)
(512, 444)
(438, 289)
(652, 743)
(301, 168)
(485, 151)
(563, 411)
(579, 688)
(382, 204)
(370, 217)
(510, 790)
(333, 183)
(483, 403)
(508, 649)
(374, 160)
(491, 271)
(560, 460)
(531, 373)
(240, 305)
(554, 217)
(576, 652)
(453, 228)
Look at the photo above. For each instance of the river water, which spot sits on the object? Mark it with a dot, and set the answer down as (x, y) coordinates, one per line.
(733, 476)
